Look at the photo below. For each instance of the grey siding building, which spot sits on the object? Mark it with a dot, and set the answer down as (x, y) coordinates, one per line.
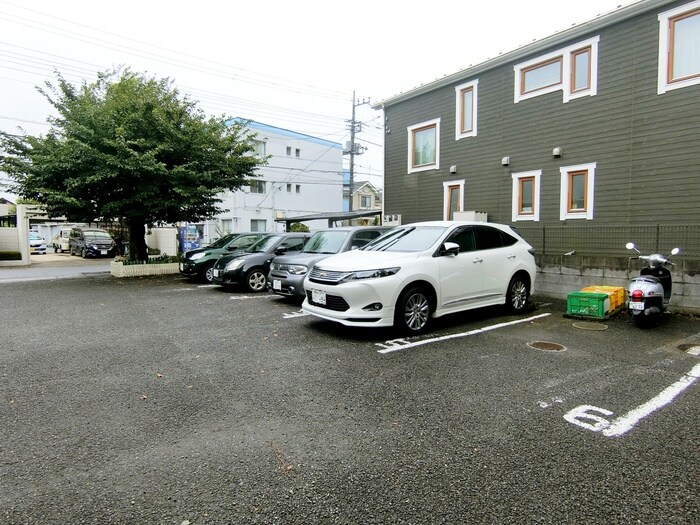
(583, 140)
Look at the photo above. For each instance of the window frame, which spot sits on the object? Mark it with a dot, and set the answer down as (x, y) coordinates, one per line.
(411, 130)
(567, 55)
(447, 187)
(666, 49)
(257, 187)
(460, 132)
(517, 214)
(566, 172)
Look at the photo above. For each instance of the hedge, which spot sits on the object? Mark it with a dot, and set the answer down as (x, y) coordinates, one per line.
(10, 256)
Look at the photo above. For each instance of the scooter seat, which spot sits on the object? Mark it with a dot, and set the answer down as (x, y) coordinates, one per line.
(648, 278)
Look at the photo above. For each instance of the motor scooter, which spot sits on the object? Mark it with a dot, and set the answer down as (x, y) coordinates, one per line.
(648, 294)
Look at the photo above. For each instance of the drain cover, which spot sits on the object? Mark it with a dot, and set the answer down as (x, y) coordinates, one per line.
(547, 346)
(591, 326)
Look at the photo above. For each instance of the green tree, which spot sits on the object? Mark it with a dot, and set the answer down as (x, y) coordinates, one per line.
(128, 148)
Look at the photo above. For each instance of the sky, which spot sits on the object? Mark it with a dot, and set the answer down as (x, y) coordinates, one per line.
(293, 65)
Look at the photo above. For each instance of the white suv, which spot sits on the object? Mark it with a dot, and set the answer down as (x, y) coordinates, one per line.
(421, 271)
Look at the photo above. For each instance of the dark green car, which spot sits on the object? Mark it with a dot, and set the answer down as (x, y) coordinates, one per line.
(198, 263)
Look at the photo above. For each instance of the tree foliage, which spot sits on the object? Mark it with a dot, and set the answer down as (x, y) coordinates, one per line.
(128, 148)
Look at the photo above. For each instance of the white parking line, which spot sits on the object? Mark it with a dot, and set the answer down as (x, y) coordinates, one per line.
(395, 345)
(594, 418)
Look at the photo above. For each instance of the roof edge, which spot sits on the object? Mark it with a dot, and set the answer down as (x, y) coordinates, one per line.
(600, 22)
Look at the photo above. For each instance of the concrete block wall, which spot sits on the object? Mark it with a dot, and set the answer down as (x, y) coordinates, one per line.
(557, 281)
(163, 239)
(9, 240)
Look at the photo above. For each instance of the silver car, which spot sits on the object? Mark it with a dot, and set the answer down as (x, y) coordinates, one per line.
(287, 272)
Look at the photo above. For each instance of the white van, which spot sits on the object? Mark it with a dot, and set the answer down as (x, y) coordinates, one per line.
(60, 242)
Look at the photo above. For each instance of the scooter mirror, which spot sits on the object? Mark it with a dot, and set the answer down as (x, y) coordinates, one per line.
(675, 251)
(629, 246)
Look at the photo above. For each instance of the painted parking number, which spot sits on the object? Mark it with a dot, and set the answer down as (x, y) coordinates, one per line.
(596, 419)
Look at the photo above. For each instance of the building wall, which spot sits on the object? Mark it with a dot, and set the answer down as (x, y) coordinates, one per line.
(642, 142)
(310, 181)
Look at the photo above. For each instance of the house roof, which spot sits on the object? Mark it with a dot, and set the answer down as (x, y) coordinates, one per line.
(537, 47)
(259, 126)
(330, 216)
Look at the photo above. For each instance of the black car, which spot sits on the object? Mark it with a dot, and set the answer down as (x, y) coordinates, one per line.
(91, 242)
(250, 267)
(199, 263)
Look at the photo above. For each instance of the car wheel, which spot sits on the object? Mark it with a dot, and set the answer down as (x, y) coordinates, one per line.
(83, 253)
(413, 311)
(208, 274)
(518, 294)
(71, 251)
(255, 281)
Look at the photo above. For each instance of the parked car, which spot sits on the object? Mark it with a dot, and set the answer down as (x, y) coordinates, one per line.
(287, 272)
(250, 268)
(199, 263)
(421, 271)
(61, 242)
(37, 244)
(91, 242)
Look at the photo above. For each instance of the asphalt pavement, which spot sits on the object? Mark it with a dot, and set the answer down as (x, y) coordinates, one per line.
(54, 266)
(157, 400)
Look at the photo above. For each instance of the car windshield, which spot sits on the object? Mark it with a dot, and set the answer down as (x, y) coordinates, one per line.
(97, 235)
(264, 244)
(223, 241)
(408, 239)
(326, 242)
(35, 236)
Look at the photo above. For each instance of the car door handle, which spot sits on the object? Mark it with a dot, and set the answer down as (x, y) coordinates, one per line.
(512, 256)
(477, 261)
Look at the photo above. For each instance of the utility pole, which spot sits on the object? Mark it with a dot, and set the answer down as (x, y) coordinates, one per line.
(353, 149)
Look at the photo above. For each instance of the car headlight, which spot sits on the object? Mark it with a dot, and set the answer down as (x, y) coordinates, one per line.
(297, 269)
(197, 256)
(236, 263)
(370, 274)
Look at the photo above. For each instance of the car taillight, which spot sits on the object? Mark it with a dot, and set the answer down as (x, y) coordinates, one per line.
(637, 295)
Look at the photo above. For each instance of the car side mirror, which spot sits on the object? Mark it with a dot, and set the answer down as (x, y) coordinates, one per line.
(280, 250)
(450, 248)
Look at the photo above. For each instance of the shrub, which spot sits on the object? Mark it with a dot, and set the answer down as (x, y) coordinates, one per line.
(10, 256)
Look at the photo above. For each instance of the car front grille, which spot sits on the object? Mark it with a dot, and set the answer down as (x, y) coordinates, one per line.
(333, 302)
(327, 276)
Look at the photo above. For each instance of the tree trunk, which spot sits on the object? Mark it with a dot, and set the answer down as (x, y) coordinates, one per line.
(137, 240)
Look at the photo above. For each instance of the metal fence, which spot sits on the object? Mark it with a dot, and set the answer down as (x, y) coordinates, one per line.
(601, 241)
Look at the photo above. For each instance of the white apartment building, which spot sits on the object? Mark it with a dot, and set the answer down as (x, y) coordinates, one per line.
(303, 176)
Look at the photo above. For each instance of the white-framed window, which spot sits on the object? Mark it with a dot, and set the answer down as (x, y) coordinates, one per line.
(365, 201)
(258, 225)
(424, 146)
(289, 151)
(526, 195)
(260, 147)
(577, 191)
(466, 109)
(573, 70)
(257, 186)
(453, 198)
(679, 47)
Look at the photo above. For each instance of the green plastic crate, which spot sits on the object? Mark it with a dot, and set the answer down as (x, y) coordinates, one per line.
(588, 304)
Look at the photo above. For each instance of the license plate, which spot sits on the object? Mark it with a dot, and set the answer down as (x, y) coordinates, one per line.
(276, 284)
(318, 296)
(217, 273)
(635, 305)
(103, 252)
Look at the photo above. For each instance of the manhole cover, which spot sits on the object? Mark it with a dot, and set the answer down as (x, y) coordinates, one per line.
(591, 326)
(547, 346)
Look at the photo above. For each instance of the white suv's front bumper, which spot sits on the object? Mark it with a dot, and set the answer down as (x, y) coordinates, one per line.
(355, 303)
